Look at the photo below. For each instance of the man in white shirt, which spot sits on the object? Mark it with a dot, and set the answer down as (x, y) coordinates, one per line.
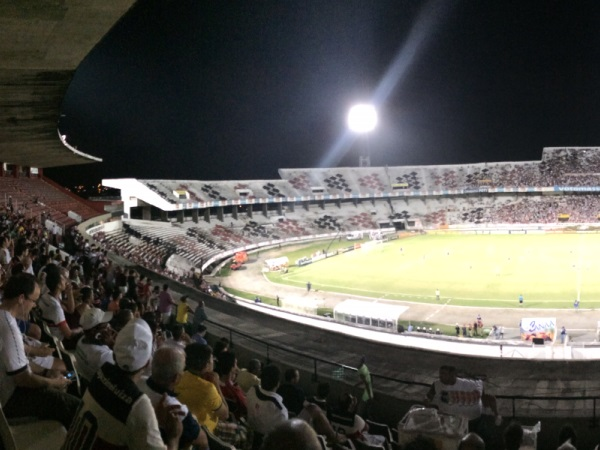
(23, 393)
(265, 406)
(115, 413)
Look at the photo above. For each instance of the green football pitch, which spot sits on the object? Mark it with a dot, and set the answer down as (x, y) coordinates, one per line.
(550, 271)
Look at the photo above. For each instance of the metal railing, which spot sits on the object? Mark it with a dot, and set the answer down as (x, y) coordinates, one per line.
(339, 371)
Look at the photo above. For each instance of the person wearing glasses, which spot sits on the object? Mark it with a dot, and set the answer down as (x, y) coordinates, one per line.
(22, 392)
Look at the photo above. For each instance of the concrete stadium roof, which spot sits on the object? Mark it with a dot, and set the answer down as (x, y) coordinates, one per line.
(41, 44)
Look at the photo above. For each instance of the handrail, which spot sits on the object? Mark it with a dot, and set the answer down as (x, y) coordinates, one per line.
(512, 398)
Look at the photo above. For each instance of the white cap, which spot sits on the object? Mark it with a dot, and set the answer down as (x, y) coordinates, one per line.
(93, 317)
(133, 346)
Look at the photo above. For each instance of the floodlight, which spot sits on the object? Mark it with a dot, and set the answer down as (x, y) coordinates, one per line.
(362, 118)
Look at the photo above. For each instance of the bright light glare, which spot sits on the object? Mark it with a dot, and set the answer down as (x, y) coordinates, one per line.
(362, 118)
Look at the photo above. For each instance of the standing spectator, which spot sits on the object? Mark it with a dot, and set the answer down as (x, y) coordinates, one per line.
(165, 304)
(437, 294)
(366, 383)
(457, 328)
(154, 298)
(6, 250)
(576, 304)
(199, 315)
(563, 335)
(456, 396)
(183, 310)
(308, 286)
(520, 299)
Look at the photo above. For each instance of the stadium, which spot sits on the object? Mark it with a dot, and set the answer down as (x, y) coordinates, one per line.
(344, 260)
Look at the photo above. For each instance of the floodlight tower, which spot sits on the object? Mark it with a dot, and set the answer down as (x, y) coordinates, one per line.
(362, 119)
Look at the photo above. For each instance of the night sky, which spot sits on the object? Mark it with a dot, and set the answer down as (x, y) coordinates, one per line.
(212, 90)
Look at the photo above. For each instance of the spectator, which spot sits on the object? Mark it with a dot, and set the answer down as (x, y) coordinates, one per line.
(199, 315)
(199, 387)
(52, 304)
(114, 305)
(365, 382)
(344, 418)
(513, 436)
(165, 304)
(179, 337)
(200, 335)
(321, 398)
(249, 377)
(236, 399)
(294, 434)
(292, 395)
(456, 396)
(122, 414)
(121, 319)
(23, 393)
(168, 364)
(183, 310)
(568, 436)
(265, 407)
(472, 441)
(94, 348)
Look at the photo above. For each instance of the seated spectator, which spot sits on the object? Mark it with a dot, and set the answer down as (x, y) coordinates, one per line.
(120, 319)
(84, 302)
(23, 393)
(344, 418)
(321, 398)
(513, 436)
(236, 399)
(472, 441)
(199, 387)
(168, 364)
(222, 345)
(52, 305)
(122, 415)
(294, 434)
(179, 337)
(249, 377)
(292, 395)
(567, 435)
(94, 348)
(265, 407)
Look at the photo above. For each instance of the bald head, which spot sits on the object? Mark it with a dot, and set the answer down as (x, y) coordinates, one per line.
(292, 434)
(471, 441)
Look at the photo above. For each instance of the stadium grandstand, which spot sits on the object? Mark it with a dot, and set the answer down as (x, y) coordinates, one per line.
(181, 233)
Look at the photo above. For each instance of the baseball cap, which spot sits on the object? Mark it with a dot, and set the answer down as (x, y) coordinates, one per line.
(93, 317)
(133, 346)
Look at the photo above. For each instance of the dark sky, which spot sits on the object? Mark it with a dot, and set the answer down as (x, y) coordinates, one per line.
(209, 90)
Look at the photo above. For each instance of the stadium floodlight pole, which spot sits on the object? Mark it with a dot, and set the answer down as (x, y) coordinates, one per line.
(362, 119)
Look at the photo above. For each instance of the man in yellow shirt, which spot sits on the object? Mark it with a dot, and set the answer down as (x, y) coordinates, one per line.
(199, 387)
(182, 311)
